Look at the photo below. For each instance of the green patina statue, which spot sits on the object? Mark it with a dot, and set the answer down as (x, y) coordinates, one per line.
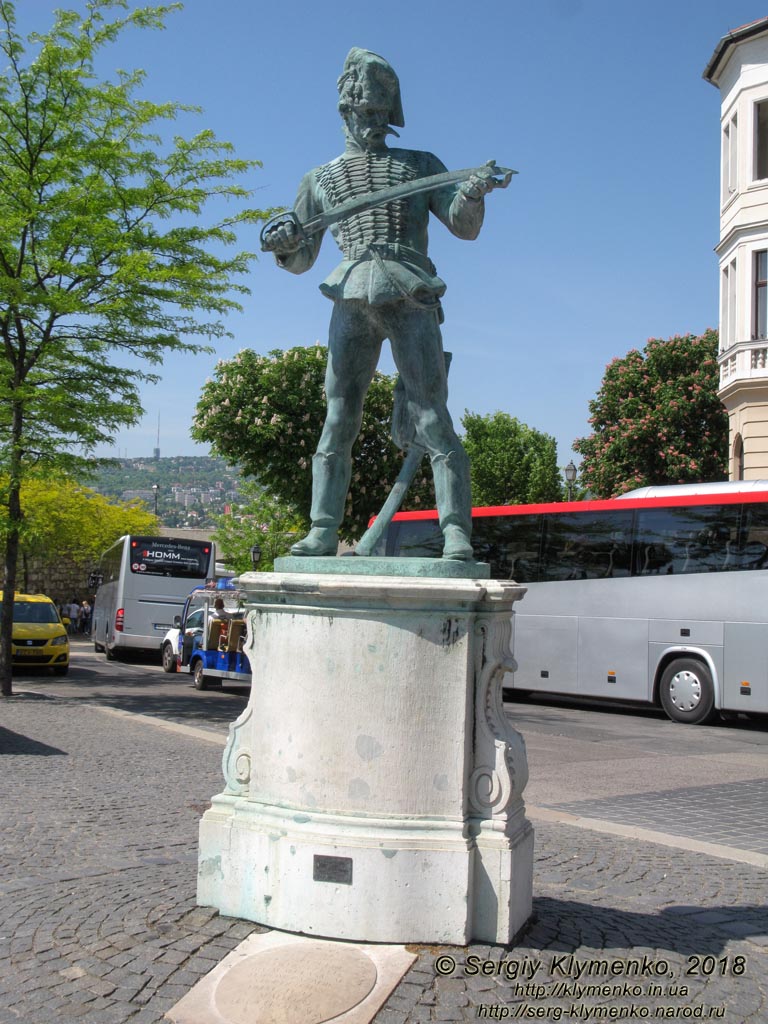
(376, 202)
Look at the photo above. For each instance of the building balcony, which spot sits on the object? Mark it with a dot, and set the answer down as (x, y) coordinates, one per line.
(748, 360)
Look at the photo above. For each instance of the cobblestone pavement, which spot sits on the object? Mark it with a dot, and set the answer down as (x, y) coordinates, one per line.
(695, 927)
(98, 922)
(729, 813)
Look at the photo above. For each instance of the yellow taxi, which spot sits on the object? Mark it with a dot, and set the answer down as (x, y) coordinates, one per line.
(39, 637)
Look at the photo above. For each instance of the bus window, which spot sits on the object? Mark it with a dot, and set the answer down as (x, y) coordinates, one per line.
(685, 540)
(417, 538)
(167, 556)
(586, 546)
(750, 551)
(111, 563)
(510, 544)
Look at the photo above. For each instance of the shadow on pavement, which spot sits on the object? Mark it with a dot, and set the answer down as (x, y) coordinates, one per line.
(96, 678)
(199, 708)
(688, 930)
(16, 743)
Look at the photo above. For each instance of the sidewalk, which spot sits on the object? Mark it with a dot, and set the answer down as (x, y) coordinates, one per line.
(98, 922)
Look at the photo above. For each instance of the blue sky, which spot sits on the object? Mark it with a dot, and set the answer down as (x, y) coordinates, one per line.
(603, 240)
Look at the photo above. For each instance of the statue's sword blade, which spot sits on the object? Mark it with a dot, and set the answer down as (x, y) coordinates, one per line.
(501, 178)
(404, 190)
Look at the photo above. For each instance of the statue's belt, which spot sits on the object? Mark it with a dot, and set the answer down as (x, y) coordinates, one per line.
(396, 251)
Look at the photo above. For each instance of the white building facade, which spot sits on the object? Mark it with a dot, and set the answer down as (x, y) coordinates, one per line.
(739, 69)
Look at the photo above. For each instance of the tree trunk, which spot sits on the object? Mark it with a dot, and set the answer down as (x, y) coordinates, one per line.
(11, 555)
(9, 589)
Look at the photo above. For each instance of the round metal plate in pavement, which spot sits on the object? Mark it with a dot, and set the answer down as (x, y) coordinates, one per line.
(280, 986)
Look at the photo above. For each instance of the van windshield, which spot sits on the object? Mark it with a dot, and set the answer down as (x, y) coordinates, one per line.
(32, 611)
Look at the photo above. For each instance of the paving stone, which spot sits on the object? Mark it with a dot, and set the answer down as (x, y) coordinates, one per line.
(387, 1016)
(419, 1014)
(98, 922)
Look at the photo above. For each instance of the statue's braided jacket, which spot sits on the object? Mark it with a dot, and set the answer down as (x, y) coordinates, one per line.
(397, 232)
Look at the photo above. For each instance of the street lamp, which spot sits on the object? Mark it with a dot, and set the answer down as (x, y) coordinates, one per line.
(155, 489)
(570, 478)
(255, 556)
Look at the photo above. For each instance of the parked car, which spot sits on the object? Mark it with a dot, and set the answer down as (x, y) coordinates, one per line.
(206, 644)
(39, 636)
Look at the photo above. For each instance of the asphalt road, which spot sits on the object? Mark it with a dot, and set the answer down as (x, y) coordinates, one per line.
(140, 687)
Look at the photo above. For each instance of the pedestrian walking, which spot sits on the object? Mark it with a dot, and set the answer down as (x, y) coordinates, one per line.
(73, 613)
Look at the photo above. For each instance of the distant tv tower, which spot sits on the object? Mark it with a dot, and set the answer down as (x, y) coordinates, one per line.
(156, 452)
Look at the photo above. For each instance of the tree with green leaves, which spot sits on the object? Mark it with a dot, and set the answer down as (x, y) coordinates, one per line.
(104, 250)
(657, 419)
(260, 520)
(66, 522)
(265, 414)
(512, 463)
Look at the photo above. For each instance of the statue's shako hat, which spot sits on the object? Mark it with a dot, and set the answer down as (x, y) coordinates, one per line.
(368, 78)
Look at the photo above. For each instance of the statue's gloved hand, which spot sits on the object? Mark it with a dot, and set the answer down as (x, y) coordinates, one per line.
(479, 185)
(282, 239)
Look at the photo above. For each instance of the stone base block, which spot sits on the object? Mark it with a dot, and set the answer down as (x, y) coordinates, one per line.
(374, 784)
(340, 878)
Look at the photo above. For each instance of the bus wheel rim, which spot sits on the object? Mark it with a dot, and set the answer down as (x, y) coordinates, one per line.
(685, 690)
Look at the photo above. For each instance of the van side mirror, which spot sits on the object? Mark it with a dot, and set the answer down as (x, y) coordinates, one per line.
(177, 622)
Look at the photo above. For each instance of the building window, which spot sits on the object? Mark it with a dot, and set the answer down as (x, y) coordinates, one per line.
(728, 304)
(760, 295)
(738, 458)
(730, 181)
(761, 139)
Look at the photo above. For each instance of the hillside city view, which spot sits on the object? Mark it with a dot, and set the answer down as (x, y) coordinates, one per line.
(186, 491)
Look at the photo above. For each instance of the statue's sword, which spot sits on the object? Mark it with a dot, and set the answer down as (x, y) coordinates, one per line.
(381, 197)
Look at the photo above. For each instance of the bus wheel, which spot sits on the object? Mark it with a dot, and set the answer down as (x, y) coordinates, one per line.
(686, 691)
(198, 676)
(169, 658)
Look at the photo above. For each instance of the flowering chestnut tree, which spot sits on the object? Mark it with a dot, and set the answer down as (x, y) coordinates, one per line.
(657, 419)
(264, 413)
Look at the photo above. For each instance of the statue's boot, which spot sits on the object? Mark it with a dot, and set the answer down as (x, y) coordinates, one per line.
(330, 482)
(454, 503)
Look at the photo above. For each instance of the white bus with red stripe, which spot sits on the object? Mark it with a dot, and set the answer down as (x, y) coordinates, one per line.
(658, 596)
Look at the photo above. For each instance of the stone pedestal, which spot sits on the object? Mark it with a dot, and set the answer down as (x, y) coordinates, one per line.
(373, 784)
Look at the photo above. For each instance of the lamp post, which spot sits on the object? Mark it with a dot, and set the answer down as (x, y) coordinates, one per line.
(255, 556)
(155, 489)
(570, 478)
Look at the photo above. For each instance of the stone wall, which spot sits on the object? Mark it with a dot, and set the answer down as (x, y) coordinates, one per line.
(60, 580)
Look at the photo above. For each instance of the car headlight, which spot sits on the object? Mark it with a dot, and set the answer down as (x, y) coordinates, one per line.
(58, 640)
